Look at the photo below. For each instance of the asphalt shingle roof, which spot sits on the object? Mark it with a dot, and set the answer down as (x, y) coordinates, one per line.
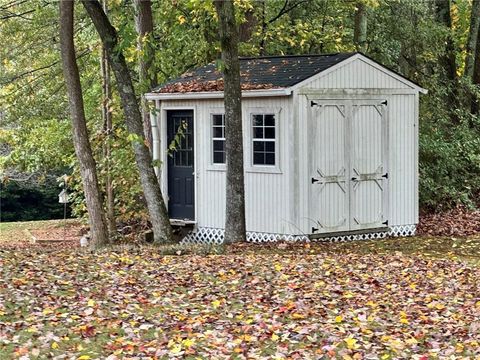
(256, 73)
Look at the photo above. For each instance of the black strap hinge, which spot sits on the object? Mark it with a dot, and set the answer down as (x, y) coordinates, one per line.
(313, 103)
(385, 222)
(385, 102)
(314, 229)
(314, 180)
(385, 175)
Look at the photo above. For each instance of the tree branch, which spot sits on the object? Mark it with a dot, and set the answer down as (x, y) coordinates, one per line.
(286, 10)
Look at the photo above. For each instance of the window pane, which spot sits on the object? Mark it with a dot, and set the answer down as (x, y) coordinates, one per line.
(270, 159)
(258, 133)
(218, 120)
(218, 132)
(258, 159)
(270, 146)
(259, 146)
(219, 157)
(269, 133)
(257, 120)
(219, 145)
(270, 120)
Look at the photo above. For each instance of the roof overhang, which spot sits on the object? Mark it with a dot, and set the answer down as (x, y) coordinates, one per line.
(217, 94)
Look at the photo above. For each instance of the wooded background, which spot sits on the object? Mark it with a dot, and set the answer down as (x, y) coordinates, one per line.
(434, 43)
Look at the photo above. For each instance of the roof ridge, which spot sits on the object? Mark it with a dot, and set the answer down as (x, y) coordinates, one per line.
(296, 55)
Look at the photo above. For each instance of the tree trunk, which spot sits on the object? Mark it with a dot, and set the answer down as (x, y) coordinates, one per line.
(147, 73)
(235, 189)
(447, 60)
(476, 77)
(360, 31)
(107, 128)
(472, 39)
(133, 119)
(81, 142)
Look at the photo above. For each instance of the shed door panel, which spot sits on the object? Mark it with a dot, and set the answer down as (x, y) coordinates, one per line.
(367, 167)
(328, 169)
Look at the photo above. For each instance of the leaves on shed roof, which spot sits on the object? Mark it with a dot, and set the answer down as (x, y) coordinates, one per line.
(256, 73)
(211, 85)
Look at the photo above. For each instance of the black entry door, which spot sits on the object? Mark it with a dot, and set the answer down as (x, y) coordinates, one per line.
(180, 165)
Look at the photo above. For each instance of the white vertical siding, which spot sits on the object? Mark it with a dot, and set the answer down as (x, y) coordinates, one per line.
(268, 193)
(403, 160)
(356, 74)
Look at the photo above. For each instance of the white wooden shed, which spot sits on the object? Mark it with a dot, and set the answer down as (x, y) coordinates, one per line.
(330, 149)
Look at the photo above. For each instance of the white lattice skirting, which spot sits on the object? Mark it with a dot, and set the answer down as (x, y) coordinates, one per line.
(206, 235)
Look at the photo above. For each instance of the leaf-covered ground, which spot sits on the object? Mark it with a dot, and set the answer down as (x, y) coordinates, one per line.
(253, 302)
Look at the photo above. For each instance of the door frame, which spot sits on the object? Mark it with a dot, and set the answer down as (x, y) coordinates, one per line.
(163, 178)
(350, 100)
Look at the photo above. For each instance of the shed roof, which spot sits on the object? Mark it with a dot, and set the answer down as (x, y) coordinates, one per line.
(268, 72)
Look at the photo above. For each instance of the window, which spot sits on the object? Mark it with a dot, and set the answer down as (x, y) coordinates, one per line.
(218, 138)
(263, 136)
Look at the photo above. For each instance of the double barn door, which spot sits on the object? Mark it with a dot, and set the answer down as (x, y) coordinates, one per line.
(348, 165)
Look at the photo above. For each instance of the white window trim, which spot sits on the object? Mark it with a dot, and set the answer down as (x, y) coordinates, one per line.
(211, 165)
(269, 169)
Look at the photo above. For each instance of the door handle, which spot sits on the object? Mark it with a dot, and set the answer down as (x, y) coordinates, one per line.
(354, 179)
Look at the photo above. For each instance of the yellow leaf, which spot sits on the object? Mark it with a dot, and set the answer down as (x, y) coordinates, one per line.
(176, 349)
(32, 329)
(247, 337)
(275, 337)
(404, 321)
(351, 343)
(278, 267)
(91, 303)
(54, 345)
(339, 319)
(216, 303)
(47, 311)
(298, 316)
(411, 341)
(84, 357)
(188, 342)
(181, 19)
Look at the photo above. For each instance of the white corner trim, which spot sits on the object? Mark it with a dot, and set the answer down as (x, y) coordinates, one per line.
(217, 94)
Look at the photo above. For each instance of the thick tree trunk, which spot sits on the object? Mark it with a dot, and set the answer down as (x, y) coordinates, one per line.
(360, 31)
(133, 119)
(107, 128)
(83, 150)
(472, 39)
(147, 74)
(235, 192)
(447, 60)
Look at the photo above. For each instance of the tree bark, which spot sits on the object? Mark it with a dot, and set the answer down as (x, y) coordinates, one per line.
(360, 31)
(133, 119)
(447, 60)
(107, 128)
(472, 39)
(235, 190)
(83, 150)
(147, 73)
(476, 77)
